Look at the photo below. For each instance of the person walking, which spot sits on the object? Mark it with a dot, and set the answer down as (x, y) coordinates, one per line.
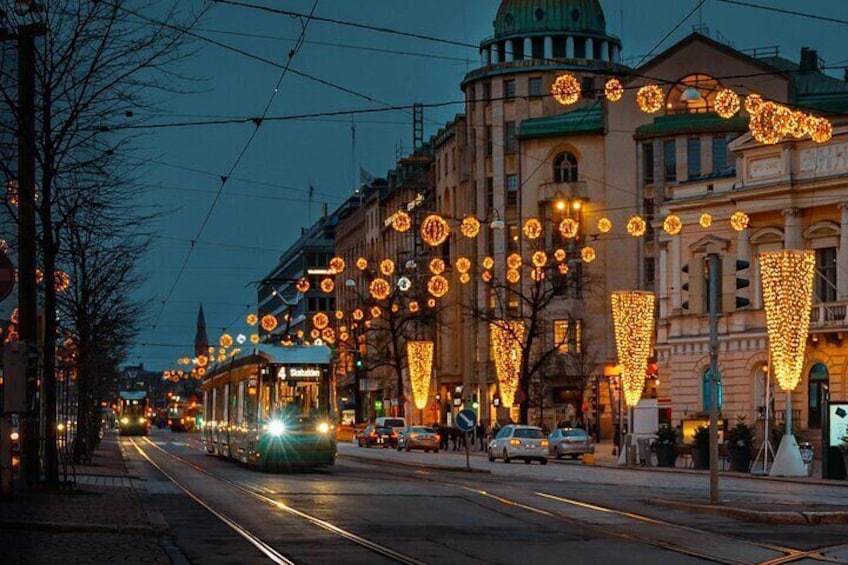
(481, 435)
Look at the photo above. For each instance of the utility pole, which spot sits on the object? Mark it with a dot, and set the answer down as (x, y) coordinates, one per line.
(713, 267)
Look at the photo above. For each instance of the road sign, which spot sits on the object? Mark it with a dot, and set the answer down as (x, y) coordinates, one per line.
(7, 276)
(466, 420)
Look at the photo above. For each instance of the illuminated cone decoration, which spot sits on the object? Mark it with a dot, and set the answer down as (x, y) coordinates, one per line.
(633, 318)
(420, 357)
(506, 339)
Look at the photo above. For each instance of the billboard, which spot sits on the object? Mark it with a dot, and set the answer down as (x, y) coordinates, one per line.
(838, 422)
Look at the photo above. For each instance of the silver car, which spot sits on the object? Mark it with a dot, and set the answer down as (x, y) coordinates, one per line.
(519, 442)
(570, 442)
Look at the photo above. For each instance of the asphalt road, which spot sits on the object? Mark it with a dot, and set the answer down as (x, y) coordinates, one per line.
(374, 511)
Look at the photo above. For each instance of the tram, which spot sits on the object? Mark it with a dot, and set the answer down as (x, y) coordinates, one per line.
(132, 413)
(271, 407)
(182, 414)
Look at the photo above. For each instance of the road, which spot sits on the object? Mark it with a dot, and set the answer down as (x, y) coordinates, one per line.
(372, 510)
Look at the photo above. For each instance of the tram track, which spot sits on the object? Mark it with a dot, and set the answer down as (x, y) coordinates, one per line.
(270, 552)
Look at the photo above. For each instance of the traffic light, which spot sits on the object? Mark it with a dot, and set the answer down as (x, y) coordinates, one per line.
(474, 404)
(694, 286)
(741, 301)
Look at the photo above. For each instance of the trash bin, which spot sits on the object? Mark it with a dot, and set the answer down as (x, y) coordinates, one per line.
(807, 454)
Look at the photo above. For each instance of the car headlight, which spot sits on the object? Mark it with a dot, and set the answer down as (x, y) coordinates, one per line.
(125, 420)
(15, 436)
(141, 420)
(323, 427)
(276, 428)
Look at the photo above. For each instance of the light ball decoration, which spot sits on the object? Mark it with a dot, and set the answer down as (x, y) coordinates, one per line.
(613, 90)
(254, 338)
(225, 340)
(437, 266)
(633, 318)
(361, 263)
(532, 228)
(650, 98)
(401, 222)
(821, 130)
(507, 339)
(463, 264)
(379, 289)
(513, 276)
(787, 278)
(337, 265)
(376, 311)
(358, 314)
(636, 226)
(539, 259)
(302, 285)
(419, 356)
(269, 322)
(327, 285)
(514, 261)
(706, 220)
(470, 226)
(434, 230)
(770, 123)
(413, 306)
(588, 254)
(753, 102)
(488, 263)
(320, 320)
(566, 89)
(560, 255)
(727, 103)
(395, 307)
(328, 335)
(404, 284)
(537, 274)
(63, 281)
(604, 225)
(339, 314)
(486, 276)
(241, 338)
(315, 334)
(387, 267)
(563, 268)
(431, 303)
(464, 278)
(739, 220)
(39, 276)
(672, 225)
(569, 228)
(438, 286)
(252, 319)
(202, 360)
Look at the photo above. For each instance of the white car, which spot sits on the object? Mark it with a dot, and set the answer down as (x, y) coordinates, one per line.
(519, 442)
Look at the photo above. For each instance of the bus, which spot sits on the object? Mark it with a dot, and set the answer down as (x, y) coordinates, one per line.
(132, 413)
(272, 408)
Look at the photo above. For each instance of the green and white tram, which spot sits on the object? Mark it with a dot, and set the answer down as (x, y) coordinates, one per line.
(272, 407)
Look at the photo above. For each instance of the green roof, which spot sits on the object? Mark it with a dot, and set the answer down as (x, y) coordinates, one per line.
(579, 121)
(690, 123)
(521, 17)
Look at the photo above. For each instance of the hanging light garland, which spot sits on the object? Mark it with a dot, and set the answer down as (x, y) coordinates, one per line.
(327, 285)
(566, 89)
(636, 226)
(438, 286)
(488, 263)
(706, 220)
(753, 102)
(437, 266)
(514, 261)
(787, 279)
(337, 265)
(569, 228)
(507, 340)
(650, 98)
(379, 289)
(539, 259)
(320, 320)
(401, 222)
(387, 267)
(513, 276)
(419, 356)
(821, 130)
(302, 285)
(463, 264)
(604, 225)
(739, 220)
(532, 228)
(269, 322)
(470, 226)
(672, 225)
(633, 318)
(361, 263)
(434, 230)
(726, 103)
(613, 90)
(588, 254)
(770, 123)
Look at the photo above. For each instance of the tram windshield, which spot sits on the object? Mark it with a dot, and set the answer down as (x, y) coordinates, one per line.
(296, 393)
(133, 407)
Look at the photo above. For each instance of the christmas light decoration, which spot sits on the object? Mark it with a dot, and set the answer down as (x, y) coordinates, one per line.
(613, 90)
(379, 289)
(302, 285)
(252, 319)
(537, 274)
(486, 276)
(241, 338)
(438, 286)
(821, 130)
(361, 263)
(315, 334)
(513, 276)
(39, 276)
(753, 102)
(633, 318)
(437, 266)
(566, 89)
(787, 279)
(569, 228)
(463, 264)
(376, 312)
(532, 228)
(706, 220)
(202, 360)
(401, 221)
(63, 281)
(739, 220)
(470, 226)
(419, 356)
(488, 263)
(465, 278)
(254, 338)
(588, 254)
(269, 322)
(604, 225)
(672, 224)
(506, 340)
(358, 314)
(339, 314)
(514, 261)
(320, 320)
(404, 284)
(387, 267)
(225, 340)
(431, 302)
(337, 265)
(636, 226)
(413, 306)
(539, 259)
(395, 307)
(726, 103)
(770, 123)
(434, 230)
(563, 268)
(560, 255)
(328, 335)
(650, 98)
(327, 285)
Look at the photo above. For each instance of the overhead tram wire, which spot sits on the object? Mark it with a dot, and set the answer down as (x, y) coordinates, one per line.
(670, 33)
(785, 11)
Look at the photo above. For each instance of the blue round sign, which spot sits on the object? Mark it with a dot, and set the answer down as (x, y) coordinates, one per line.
(466, 420)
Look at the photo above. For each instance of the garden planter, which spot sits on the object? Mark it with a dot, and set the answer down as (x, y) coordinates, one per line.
(740, 459)
(666, 455)
(701, 457)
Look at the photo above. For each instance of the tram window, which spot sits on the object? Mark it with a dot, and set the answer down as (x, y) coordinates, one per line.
(265, 401)
(250, 408)
(299, 398)
(240, 412)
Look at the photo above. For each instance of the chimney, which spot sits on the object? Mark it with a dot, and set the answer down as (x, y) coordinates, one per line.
(809, 60)
(325, 209)
(846, 75)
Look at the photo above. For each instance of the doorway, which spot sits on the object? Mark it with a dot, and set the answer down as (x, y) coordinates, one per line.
(816, 387)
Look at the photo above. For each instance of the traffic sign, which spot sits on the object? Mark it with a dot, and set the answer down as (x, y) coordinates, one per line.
(7, 276)
(466, 420)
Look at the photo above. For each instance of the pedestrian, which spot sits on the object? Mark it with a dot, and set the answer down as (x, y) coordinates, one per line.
(481, 434)
(616, 440)
(454, 438)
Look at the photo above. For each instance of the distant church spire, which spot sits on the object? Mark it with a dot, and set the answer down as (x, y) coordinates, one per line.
(201, 339)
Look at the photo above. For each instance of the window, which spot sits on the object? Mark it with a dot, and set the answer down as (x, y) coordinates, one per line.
(488, 140)
(565, 167)
(487, 92)
(705, 388)
(514, 243)
(510, 141)
(648, 162)
(561, 336)
(568, 337)
(587, 87)
(670, 156)
(719, 153)
(650, 272)
(536, 86)
(693, 156)
(490, 194)
(650, 214)
(509, 89)
(511, 190)
(826, 274)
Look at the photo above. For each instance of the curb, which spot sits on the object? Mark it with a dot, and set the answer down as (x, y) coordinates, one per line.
(764, 517)
(74, 527)
(447, 468)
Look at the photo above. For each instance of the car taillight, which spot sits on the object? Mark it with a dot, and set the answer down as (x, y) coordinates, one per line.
(544, 443)
(438, 437)
(373, 434)
(515, 442)
(394, 434)
(413, 436)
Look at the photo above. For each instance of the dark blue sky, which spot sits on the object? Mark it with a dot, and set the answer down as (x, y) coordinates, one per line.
(263, 206)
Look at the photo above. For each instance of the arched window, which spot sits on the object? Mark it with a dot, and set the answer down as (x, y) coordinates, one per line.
(693, 94)
(705, 388)
(565, 167)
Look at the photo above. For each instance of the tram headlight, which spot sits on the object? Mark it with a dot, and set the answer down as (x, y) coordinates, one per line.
(125, 420)
(323, 427)
(142, 421)
(15, 436)
(276, 428)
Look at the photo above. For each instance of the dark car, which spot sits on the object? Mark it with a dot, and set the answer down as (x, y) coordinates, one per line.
(419, 437)
(379, 436)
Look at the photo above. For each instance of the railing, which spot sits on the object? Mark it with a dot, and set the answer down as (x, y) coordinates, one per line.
(829, 315)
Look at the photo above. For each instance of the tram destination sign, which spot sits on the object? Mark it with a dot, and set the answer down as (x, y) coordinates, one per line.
(288, 372)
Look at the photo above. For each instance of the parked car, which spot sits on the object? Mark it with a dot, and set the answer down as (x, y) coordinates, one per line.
(570, 442)
(399, 424)
(419, 437)
(381, 436)
(519, 442)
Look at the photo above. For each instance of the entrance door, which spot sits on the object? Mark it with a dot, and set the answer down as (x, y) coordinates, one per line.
(815, 394)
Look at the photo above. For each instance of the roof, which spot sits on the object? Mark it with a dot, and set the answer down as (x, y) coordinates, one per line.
(584, 120)
(133, 395)
(813, 89)
(293, 355)
(522, 17)
(690, 123)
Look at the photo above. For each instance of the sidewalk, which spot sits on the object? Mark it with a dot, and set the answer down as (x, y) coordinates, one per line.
(100, 520)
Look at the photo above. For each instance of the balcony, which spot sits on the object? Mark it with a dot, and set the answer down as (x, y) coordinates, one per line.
(551, 191)
(829, 315)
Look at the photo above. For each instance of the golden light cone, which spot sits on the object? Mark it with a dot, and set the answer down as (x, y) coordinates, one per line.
(506, 339)
(633, 318)
(420, 357)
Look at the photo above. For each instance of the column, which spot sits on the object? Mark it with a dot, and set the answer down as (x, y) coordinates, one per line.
(528, 48)
(791, 228)
(496, 55)
(549, 47)
(569, 47)
(509, 56)
(590, 48)
(842, 254)
(485, 57)
(605, 50)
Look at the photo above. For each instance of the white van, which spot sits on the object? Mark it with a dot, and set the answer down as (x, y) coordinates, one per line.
(394, 422)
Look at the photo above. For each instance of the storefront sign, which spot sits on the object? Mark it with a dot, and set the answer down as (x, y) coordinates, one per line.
(766, 167)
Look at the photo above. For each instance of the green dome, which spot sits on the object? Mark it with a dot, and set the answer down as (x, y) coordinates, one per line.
(520, 17)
